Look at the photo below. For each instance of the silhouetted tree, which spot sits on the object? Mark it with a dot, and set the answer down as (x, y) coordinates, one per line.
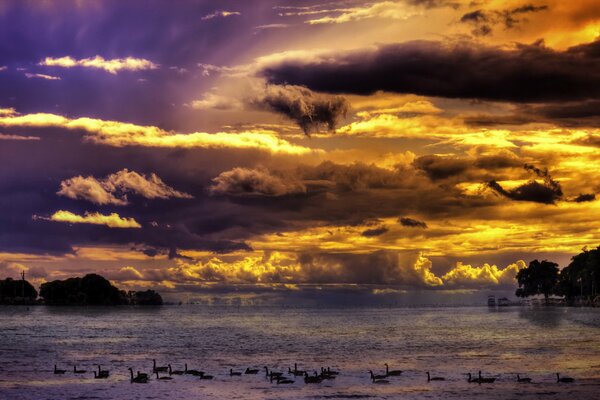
(16, 291)
(582, 276)
(538, 278)
(92, 289)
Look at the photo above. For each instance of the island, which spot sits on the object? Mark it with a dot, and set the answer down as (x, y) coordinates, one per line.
(91, 290)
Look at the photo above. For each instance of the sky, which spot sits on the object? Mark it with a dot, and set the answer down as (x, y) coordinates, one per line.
(248, 151)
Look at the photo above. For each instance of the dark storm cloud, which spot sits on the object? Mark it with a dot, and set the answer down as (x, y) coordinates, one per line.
(309, 110)
(438, 167)
(375, 232)
(483, 21)
(582, 198)
(527, 73)
(569, 114)
(412, 223)
(548, 192)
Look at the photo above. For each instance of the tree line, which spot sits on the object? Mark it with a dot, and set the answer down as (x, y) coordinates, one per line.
(579, 281)
(92, 289)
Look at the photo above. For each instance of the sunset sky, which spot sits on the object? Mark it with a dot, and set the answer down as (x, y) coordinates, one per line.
(247, 149)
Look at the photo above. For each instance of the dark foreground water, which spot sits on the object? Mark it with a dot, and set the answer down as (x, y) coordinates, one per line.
(448, 342)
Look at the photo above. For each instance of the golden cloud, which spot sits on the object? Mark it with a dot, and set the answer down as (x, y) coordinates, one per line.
(120, 134)
(112, 220)
(112, 66)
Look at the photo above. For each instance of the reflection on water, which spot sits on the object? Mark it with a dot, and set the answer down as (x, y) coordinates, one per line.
(450, 342)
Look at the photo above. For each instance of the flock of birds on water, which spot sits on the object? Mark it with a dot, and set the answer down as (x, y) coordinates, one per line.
(281, 378)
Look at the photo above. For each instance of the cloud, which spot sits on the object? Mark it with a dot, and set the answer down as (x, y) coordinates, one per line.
(582, 198)
(375, 232)
(212, 101)
(120, 183)
(525, 73)
(112, 220)
(466, 276)
(120, 134)
(221, 14)
(42, 76)
(438, 167)
(482, 21)
(244, 182)
(308, 109)
(112, 66)
(412, 223)
(4, 136)
(380, 268)
(386, 9)
(547, 192)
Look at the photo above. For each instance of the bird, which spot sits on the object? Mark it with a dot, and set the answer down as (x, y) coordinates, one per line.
(375, 377)
(137, 379)
(251, 371)
(163, 378)
(78, 371)
(143, 374)
(282, 380)
(312, 379)
(296, 371)
(485, 380)
(566, 379)
(159, 369)
(471, 380)
(58, 371)
(434, 378)
(325, 374)
(103, 372)
(206, 377)
(332, 372)
(523, 380)
(395, 372)
(99, 376)
(194, 372)
(271, 374)
(176, 372)
(234, 373)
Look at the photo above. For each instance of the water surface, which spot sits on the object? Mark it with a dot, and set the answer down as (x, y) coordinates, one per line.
(449, 342)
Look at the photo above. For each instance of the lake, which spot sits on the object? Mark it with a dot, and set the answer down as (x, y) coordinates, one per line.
(449, 342)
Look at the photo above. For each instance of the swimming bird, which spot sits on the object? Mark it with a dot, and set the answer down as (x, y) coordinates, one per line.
(234, 373)
(163, 368)
(523, 380)
(103, 372)
(296, 371)
(566, 379)
(143, 375)
(58, 371)
(395, 372)
(375, 377)
(471, 380)
(332, 372)
(251, 371)
(312, 379)
(98, 376)
(325, 374)
(194, 372)
(163, 378)
(78, 371)
(282, 380)
(434, 378)
(271, 374)
(380, 381)
(486, 380)
(137, 379)
(176, 372)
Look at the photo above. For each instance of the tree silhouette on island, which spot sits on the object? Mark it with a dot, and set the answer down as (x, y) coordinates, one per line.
(577, 282)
